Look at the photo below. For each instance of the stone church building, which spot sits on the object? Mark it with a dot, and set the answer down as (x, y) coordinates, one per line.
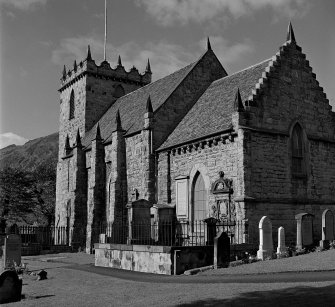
(265, 135)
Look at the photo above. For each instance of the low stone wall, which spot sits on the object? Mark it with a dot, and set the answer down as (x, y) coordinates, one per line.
(140, 258)
(153, 259)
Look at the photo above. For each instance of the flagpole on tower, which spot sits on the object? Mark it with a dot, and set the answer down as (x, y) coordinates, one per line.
(105, 39)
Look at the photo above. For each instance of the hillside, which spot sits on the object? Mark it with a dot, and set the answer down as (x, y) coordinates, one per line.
(36, 152)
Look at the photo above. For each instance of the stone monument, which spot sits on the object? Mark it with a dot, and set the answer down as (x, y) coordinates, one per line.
(281, 249)
(304, 230)
(265, 238)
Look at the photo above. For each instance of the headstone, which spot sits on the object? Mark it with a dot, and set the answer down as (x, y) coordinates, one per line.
(10, 287)
(304, 230)
(211, 230)
(12, 251)
(102, 238)
(265, 238)
(139, 219)
(327, 228)
(281, 249)
(221, 250)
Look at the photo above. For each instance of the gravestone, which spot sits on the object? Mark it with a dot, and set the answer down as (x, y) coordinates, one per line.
(221, 250)
(281, 249)
(265, 238)
(304, 230)
(12, 251)
(102, 238)
(139, 222)
(327, 228)
(10, 287)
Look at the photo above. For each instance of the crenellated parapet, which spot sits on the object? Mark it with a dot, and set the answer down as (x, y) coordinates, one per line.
(104, 71)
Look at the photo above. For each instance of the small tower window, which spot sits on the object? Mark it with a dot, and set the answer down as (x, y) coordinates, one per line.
(71, 113)
(297, 151)
(119, 91)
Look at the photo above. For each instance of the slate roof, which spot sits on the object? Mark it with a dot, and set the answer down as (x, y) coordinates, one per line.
(133, 105)
(212, 112)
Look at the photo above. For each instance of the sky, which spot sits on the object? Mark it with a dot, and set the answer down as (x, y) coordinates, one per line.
(38, 37)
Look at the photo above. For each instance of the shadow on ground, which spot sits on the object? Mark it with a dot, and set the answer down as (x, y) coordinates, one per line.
(297, 296)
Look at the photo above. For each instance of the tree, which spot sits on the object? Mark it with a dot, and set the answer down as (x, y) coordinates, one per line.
(17, 196)
(28, 196)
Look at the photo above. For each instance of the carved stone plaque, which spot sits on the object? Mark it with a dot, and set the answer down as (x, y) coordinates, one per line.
(182, 197)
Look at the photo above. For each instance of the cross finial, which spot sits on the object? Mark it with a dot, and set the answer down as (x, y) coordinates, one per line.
(209, 47)
(148, 68)
(290, 34)
(119, 63)
(89, 56)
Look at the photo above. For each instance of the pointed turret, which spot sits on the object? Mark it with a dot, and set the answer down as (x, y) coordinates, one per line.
(149, 106)
(97, 133)
(119, 63)
(209, 47)
(148, 115)
(148, 68)
(238, 102)
(64, 72)
(118, 121)
(75, 65)
(89, 56)
(290, 34)
(78, 139)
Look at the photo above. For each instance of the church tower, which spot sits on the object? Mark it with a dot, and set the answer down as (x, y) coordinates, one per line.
(86, 92)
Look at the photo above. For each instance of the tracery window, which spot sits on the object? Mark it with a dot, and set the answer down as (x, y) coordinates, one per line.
(297, 151)
(71, 112)
(199, 198)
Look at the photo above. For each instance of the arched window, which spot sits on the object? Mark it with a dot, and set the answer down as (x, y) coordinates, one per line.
(199, 198)
(119, 91)
(297, 151)
(71, 113)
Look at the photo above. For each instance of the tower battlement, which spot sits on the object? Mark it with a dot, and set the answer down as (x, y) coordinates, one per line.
(104, 71)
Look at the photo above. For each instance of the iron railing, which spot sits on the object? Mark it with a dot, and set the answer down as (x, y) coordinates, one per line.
(165, 233)
(172, 233)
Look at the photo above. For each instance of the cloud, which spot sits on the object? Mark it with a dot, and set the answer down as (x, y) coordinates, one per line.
(165, 57)
(167, 12)
(22, 4)
(10, 138)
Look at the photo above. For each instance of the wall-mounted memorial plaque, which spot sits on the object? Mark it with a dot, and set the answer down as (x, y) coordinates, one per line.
(182, 197)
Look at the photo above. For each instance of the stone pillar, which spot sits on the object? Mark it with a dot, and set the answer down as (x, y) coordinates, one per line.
(327, 228)
(265, 238)
(304, 230)
(96, 208)
(148, 154)
(78, 208)
(281, 249)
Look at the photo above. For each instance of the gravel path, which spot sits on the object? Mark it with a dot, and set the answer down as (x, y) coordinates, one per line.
(67, 287)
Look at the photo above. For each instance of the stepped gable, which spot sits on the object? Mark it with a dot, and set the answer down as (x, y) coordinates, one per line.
(133, 105)
(212, 113)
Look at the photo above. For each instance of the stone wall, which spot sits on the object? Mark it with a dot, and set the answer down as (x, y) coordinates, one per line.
(208, 160)
(288, 94)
